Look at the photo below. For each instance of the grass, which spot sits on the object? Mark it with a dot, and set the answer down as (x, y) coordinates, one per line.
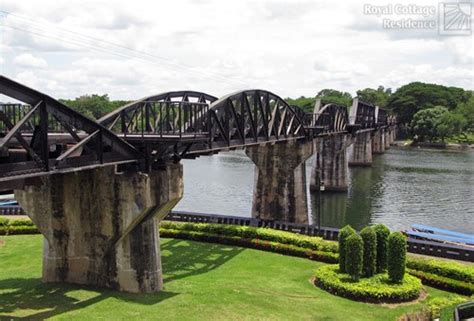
(202, 282)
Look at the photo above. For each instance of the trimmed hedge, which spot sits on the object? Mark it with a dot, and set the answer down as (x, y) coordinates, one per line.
(370, 251)
(444, 283)
(449, 269)
(310, 242)
(435, 308)
(354, 248)
(286, 249)
(382, 233)
(17, 226)
(376, 289)
(397, 251)
(344, 233)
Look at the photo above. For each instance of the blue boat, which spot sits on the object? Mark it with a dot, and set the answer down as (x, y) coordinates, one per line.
(440, 235)
(8, 203)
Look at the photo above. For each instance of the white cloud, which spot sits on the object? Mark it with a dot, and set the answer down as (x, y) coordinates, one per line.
(293, 48)
(27, 60)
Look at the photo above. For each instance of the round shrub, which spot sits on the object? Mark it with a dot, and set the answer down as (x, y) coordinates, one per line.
(397, 252)
(354, 256)
(377, 289)
(370, 251)
(344, 233)
(382, 233)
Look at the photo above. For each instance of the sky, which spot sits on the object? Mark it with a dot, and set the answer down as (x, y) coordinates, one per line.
(132, 49)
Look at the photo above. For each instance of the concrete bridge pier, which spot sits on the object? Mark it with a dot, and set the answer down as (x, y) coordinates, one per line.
(360, 153)
(387, 138)
(330, 163)
(100, 227)
(378, 141)
(392, 134)
(280, 181)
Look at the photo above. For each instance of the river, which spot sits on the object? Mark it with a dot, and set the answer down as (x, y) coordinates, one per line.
(404, 186)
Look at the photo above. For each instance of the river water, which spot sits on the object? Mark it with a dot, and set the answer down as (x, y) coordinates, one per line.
(403, 187)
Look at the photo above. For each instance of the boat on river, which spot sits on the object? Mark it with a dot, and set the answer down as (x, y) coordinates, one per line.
(425, 232)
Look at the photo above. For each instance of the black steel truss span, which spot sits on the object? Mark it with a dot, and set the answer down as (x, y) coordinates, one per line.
(187, 124)
(365, 116)
(330, 119)
(132, 115)
(42, 136)
(251, 116)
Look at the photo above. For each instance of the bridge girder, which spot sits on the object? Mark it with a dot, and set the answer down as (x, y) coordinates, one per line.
(30, 155)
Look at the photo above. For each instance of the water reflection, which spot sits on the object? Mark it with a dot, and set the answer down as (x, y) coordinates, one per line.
(401, 188)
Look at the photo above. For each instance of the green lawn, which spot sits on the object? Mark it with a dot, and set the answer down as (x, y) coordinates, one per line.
(202, 282)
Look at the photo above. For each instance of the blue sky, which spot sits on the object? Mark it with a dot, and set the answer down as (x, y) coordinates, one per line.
(137, 48)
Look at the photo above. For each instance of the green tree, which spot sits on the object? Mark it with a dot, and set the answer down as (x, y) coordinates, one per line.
(416, 96)
(344, 233)
(382, 243)
(377, 97)
(397, 252)
(466, 109)
(335, 96)
(436, 122)
(305, 103)
(450, 124)
(354, 256)
(370, 251)
(93, 106)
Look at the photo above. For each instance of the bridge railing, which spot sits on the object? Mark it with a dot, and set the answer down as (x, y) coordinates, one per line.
(331, 118)
(164, 119)
(365, 116)
(382, 117)
(16, 112)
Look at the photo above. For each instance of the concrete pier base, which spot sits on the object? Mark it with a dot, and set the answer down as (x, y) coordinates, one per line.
(378, 142)
(280, 181)
(387, 137)
(100, 228)
(360, 153)
(330, 162)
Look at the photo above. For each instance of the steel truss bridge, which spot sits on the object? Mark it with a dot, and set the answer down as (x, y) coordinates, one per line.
(41, 136)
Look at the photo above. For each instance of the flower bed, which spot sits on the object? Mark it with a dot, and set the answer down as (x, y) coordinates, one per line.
(376, 289)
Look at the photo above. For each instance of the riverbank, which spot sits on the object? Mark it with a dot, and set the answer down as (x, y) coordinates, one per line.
(433, 146)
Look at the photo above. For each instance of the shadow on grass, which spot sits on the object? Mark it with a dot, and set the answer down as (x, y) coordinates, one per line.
(30, 299)
(51, 299)
(183, 259)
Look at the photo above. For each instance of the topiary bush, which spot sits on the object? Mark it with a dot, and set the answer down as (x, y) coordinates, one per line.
(397, 252)
(375, 289)
(382, 233)
(354, 247)
(370, 251)
(344, 233)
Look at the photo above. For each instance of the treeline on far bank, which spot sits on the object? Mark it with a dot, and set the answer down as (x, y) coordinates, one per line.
(426, 112)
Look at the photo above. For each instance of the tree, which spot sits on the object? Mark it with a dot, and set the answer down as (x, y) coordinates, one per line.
(354, 256)
(93, 106)
(305, 103)
(436, 122)
(377, 97)
(334, 96)
(416, 96)
(449, 124)
(382, 243)
(466, 109)
(344, 233)
(397, 252)
(370, 251)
